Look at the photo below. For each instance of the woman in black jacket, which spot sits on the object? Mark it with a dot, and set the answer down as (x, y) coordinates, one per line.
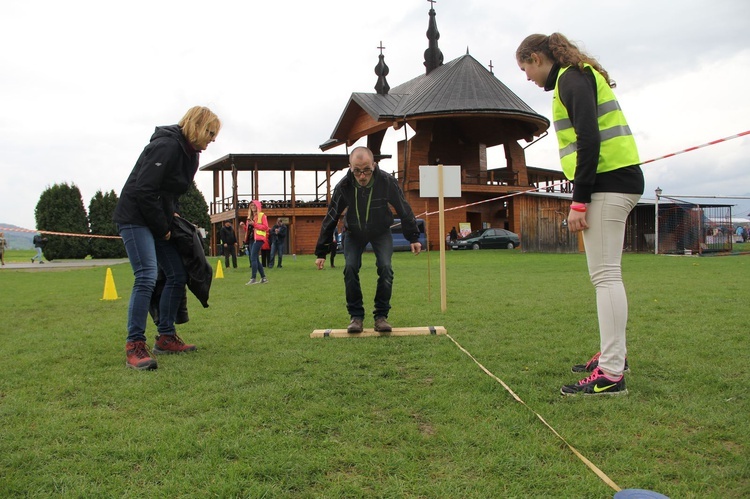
(144, 213)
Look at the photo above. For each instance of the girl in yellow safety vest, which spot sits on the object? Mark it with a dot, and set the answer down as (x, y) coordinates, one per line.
(598, 153)
(257, 230)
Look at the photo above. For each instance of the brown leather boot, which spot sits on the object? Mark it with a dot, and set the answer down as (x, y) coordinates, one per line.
(382, 326)
(355, 326)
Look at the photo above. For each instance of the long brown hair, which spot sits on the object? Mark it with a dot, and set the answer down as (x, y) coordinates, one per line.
(557, 48)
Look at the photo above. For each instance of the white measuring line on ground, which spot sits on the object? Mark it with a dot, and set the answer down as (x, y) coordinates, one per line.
(580, 456)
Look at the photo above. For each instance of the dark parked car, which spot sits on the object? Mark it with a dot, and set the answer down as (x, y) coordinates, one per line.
(488, 238)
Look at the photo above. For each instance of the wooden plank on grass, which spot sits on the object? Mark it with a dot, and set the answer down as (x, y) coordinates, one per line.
(397, 331)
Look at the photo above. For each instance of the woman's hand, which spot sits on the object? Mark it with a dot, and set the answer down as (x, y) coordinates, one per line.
(577, 221)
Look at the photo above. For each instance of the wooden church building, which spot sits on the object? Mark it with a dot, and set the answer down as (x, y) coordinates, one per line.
(456, 111)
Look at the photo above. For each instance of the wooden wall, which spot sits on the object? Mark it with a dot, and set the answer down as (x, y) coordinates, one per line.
(541, 228)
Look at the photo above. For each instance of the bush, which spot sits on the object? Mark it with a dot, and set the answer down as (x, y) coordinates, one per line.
(101, 209)
(193, 207)
(60, 209)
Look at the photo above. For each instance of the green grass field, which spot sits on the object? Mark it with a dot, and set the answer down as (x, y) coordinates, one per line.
(263, 410)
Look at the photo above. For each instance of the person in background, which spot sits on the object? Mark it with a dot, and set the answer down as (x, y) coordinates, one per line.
(258, 222)
(39, 243)
(279, 237)
(369, 193)
(144, 214)
(334, 246)
(453, 234)
(228, 243)
(3, 245)
(265, 252)
(599, 154)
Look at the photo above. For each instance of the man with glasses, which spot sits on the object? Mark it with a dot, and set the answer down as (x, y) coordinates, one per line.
(367, 194)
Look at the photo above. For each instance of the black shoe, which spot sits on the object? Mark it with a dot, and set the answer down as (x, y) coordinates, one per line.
(355, 326)
(596, 384)
(592, 364)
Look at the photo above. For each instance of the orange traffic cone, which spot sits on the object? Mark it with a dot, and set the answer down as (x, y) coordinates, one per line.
(110, 292)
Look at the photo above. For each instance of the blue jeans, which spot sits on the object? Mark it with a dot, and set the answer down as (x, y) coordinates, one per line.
(38, 255)
(277, 248)
(146, 256)
(382, 246)
(255, 259)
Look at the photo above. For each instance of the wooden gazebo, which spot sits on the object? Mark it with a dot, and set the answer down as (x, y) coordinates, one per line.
(457, 111)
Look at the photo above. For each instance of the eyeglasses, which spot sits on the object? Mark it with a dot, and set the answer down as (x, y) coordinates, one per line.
(366, 172)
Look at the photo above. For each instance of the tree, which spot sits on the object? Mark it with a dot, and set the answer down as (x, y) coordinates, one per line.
(101, 209)
(193, 207)
(60, 209)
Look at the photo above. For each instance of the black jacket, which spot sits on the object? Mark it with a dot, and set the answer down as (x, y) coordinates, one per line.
(185, 237)
(227, 236)
(363, 224)
(281, 236)
(164, 171)
(200, 274)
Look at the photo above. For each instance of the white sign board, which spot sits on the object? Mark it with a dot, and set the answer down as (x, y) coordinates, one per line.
(428, 181)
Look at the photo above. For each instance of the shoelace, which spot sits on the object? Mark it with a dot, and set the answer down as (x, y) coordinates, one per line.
(141, 351)
(593, 359)
(596, 374)
(177, 339)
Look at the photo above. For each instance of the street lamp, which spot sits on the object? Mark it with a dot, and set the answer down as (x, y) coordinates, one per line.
(658, 192)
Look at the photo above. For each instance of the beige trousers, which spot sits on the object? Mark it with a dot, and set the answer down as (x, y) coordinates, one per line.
(603, 240)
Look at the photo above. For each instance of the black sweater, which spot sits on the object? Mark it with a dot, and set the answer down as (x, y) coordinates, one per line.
(578, 95)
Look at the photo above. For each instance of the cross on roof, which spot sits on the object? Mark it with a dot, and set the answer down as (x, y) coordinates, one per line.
(381, 47)
(491, 66)
(432, 3)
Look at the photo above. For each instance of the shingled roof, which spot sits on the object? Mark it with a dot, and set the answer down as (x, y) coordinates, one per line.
(462, 87)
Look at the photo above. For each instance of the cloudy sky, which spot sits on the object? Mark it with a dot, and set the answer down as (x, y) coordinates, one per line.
(84, 82)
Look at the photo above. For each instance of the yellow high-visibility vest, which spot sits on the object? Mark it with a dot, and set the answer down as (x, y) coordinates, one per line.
(259, 219)
(617, 148)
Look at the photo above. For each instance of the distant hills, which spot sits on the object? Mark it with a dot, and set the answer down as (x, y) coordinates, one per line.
(18, 240)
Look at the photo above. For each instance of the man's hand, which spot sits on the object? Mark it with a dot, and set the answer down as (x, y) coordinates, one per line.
(416, 248)
(320, 263)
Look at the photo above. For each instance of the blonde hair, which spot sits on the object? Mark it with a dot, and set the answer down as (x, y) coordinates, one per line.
(199, 122)
(557, 48)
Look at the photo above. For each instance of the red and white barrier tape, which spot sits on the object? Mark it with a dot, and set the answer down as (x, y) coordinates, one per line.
(52, 233)
(718, 141)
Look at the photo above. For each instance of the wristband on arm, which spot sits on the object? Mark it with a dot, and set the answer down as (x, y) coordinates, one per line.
(580, 207)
